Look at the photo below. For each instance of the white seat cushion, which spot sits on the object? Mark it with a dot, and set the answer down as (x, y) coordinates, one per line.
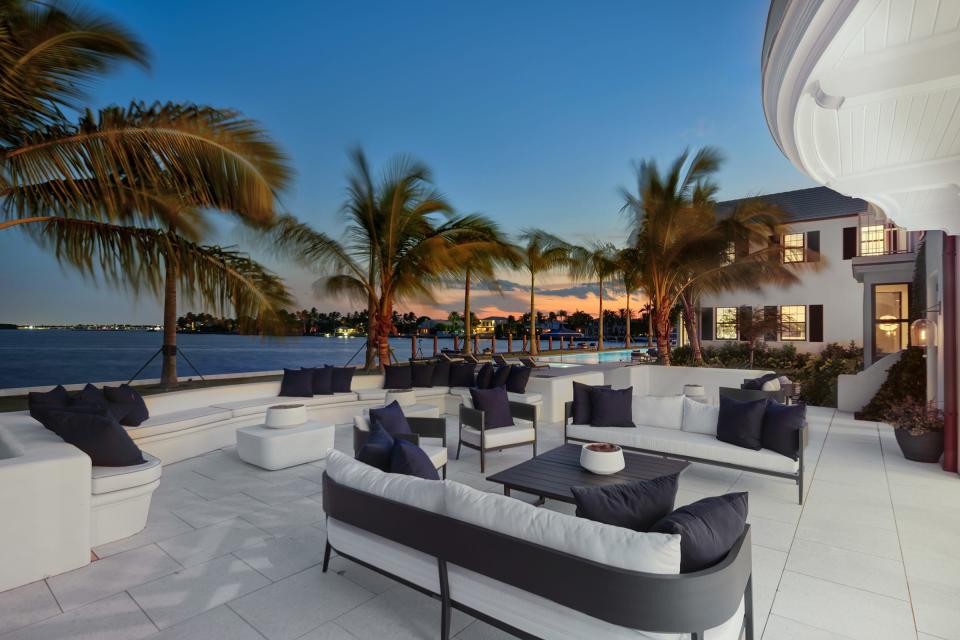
(684, 443)
(700, 417)
(178, 420)
(527, 398)
(607, 544)
(371, 394)
(431, 392)
(417, 492)
(658, 411)
(521, 431)
(436, 453)
(243, 408)
(108, 479)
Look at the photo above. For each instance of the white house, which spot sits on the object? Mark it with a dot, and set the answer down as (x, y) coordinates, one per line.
(855, 268)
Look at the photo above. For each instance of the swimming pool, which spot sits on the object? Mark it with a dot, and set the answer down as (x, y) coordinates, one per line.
(590, 357)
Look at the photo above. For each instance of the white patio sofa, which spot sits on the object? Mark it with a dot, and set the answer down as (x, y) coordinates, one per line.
(56, 505)
(529, 571)
(648, 380)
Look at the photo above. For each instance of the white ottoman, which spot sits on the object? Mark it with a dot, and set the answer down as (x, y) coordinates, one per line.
(274, 449)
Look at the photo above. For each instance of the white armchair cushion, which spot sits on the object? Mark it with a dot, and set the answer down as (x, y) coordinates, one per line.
(614, 546)
(362, 422)
(417, 492)
(771, 385)
(665, 412)
(521, 431)
(437, 454)
(700, 417)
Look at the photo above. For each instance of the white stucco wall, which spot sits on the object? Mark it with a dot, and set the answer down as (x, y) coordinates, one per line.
(832, 285)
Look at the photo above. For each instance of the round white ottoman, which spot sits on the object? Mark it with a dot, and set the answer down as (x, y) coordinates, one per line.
(273, 449)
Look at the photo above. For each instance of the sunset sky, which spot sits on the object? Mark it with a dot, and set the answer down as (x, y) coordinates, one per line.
(531, 113)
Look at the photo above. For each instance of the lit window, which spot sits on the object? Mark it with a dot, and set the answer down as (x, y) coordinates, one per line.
(793, 247)
(872, 240)
(726, 323)
(793, 323)
(730, 253)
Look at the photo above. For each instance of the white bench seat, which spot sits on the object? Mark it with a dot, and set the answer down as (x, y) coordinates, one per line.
(120, 500)
(107, 479)
(178, 420)
(687, 444)
(430, 393)
(243, 408)
(372, 395)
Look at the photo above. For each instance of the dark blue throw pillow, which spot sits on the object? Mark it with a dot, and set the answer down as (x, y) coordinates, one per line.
(91, 397)
(129, 402)
(741, 423)
(611, 407)
(99, 436)
(322, 380)
(781, 428)
(391, 418)
(441, 374)
(342, 379)
(517, 379)
(485, 376)
(376, 450)
(397, 376)
(421, 375)
(495, 406)
(297, 383)
(410, 460)
(58, 397)
(708, 529)
(500, 377)
(634, 505)
(581, 402)
(461, 374)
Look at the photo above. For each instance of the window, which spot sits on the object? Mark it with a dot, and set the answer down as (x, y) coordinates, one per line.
(793, 247)
(891, 318)
(872, 240)
(726, 323)
(730, 253)
(793, 323)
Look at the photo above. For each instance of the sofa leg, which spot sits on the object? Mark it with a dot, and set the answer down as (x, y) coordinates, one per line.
(748, 609)
(444, 602)
(459, 444)
(800, 491)
(444, 472)
(326, 557)
(482, 461)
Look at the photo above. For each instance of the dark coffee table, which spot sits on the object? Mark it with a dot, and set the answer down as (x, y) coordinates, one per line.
(551, 474)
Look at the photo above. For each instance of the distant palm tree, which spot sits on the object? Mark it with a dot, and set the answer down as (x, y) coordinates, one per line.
(402, 241)
(683, 246)
(628, 268)
(119, 193)
(598, 260)
(540, 252)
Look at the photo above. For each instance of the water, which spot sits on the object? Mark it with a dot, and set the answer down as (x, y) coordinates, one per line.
(49, 357)
(591, 357)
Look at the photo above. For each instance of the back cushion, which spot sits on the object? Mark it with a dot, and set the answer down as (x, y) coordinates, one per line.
(500, 377)
(441, 374)
(416, 492)
(700, 417)
(397, 376)
(422, 375)
(614, 546)
(665, 412)
(485, 376)
(518, 378)
(461, 374)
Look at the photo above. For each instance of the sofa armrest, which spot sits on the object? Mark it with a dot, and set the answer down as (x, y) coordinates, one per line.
(429, 427)
(471, 417)
(523, 411)
(567, 412)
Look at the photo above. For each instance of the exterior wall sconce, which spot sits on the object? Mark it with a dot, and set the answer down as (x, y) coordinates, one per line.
(923, 333)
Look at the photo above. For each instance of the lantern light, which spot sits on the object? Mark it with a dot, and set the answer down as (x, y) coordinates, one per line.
(923, 333)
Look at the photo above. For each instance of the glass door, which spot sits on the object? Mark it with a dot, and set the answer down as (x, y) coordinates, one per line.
(891, 318)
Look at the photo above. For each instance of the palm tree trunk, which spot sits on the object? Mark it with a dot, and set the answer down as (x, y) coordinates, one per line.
(650, 328)
(690, 321)
(600, 325)
(626, 333)
(168, 358)
(534, 343)
(467, 329)
(384, 329)
(663, 333)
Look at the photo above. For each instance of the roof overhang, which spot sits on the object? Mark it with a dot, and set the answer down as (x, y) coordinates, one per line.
(864, 97)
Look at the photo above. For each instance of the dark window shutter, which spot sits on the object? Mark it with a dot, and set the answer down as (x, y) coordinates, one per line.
(741, 247)
(892, 234)
(813, 246)
(706, 323)
(849, 242)
(771, 333)
(815, 330)
(744, 318)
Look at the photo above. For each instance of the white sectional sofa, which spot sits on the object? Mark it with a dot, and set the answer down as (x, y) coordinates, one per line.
(532, 572)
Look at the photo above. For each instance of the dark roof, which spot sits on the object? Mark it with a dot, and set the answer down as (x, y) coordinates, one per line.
(815, 203)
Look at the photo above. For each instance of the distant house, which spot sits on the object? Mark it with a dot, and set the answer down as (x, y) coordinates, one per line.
(428, 327)
(859, 293)
(484, 328)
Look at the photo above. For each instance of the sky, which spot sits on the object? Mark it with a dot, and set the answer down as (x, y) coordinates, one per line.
(532, 113)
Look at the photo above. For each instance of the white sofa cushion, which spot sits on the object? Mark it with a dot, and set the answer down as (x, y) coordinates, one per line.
(178, 420)
(431, 392)
(371, 394)
(521, 431)
(253, 406)
(417, 492)
(658, 411)
(614, 546)
(685, 443)
(108, 479)
(700, 417)
(771, 385)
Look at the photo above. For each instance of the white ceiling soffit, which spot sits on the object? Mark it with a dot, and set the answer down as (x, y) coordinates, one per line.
(864, 97)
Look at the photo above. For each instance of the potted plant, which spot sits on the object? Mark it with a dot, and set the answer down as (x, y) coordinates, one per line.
(919, 429)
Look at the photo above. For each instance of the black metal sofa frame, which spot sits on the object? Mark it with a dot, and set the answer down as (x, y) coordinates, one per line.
(475, 418)
(421, 427)
(796, 477)
(685, 603)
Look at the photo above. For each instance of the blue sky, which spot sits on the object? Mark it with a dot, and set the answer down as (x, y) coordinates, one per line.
(530, 112)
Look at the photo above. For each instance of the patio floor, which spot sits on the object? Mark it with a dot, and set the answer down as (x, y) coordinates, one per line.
(232, 552)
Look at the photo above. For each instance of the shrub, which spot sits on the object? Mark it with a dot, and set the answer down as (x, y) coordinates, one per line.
(906, 381)
(915, 416)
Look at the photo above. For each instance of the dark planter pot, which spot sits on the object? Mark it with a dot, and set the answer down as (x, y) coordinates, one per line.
(927, 447)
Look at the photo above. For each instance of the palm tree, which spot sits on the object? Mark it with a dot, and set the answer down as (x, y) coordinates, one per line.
(401, 242)
(628, 267)
(598, 260)
(683, 245)
(125, 186)
(541, 252)
(480, 254)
